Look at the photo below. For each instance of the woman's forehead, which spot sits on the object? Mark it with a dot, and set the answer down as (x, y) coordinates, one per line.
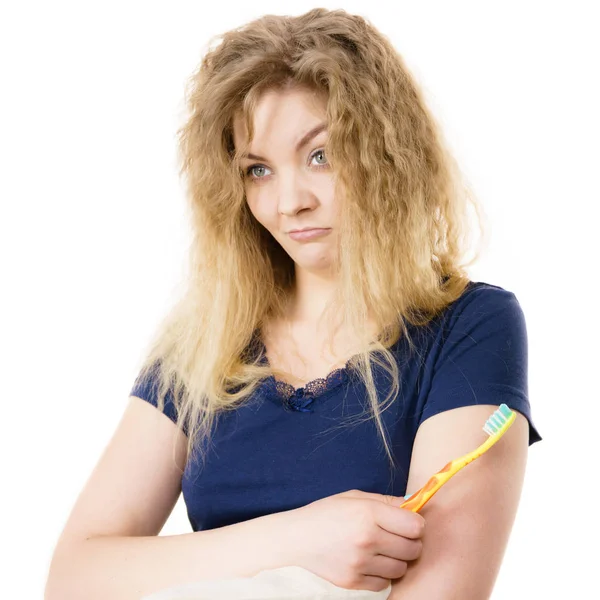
(296, 123)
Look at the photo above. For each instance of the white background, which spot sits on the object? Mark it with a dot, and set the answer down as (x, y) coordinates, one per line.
(93, 237)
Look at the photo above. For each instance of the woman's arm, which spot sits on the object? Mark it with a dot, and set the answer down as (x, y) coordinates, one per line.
(129, 568)
(110, 547)
(468, 522)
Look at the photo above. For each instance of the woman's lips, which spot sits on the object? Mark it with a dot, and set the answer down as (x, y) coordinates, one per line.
(308, 234)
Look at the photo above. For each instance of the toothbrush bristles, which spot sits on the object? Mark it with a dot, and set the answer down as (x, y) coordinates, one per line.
(497, 420)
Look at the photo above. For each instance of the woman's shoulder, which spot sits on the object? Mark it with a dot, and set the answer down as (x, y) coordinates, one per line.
(478, 353)
(481, 300)
(489, 293)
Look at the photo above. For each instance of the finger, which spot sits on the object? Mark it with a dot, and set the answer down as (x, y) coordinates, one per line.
(386, 499)
(399, 521)
(386, 567)
(373, 584)
(398, 547)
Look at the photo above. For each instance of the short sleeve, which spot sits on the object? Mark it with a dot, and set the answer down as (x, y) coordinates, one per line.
(146, 387)
(483, 357)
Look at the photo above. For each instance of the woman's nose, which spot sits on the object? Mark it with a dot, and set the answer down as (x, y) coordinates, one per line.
(294, 195)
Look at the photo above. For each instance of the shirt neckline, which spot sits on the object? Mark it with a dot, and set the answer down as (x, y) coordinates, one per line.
(301, 398)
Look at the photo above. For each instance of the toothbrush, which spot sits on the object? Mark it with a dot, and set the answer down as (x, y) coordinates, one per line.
(496, 426)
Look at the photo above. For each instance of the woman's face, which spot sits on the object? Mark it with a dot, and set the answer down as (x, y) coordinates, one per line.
(288, 181)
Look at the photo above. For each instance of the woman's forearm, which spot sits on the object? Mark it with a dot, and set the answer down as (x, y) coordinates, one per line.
(128, 568)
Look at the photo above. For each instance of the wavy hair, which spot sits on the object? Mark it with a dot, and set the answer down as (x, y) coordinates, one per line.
(404, 220)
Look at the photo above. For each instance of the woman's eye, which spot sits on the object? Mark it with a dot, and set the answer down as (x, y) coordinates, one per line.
(320, 152)
(252, 173)
(256, 172)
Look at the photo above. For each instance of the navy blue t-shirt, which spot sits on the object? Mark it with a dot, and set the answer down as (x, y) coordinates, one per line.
(285, 448)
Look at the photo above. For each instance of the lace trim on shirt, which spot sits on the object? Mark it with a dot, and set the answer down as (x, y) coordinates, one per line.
(301, 399)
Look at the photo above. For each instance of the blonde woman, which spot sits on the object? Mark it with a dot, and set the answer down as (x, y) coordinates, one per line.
(329, 353)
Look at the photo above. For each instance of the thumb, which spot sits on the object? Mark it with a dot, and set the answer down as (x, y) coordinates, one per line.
(385, 498)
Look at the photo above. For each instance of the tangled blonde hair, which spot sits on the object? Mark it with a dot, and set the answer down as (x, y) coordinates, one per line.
(404, 221)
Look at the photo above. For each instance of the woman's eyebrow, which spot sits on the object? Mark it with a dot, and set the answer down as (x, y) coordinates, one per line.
(305, 139)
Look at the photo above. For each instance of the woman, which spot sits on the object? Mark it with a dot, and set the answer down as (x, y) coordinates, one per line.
(308, 380)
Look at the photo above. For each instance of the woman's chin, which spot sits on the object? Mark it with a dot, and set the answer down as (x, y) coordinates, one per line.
(318, 264)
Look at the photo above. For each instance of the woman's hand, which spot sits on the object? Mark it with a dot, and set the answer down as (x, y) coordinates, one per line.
(356, 539)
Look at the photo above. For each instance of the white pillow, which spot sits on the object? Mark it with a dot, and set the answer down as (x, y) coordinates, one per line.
(284, 583)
